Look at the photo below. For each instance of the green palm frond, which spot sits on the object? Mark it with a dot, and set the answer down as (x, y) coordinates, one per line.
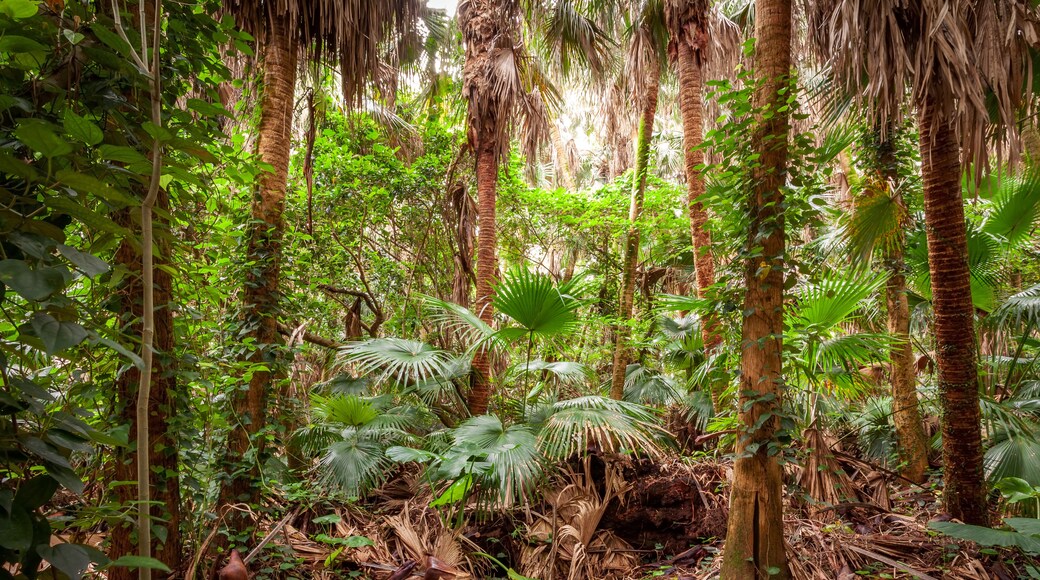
(674, 303)
(1020, 309)
(680, 328)
(535, 304)
(474, 331)
(837, 296)
(877, 222)
(1013, 457)
(1016, 208)
(357, 462)
(851, 351)
(512, 452)
(567, 372)
(873, 423)
(985, 254)
(403, 361)
(648, 387)
(576, 425)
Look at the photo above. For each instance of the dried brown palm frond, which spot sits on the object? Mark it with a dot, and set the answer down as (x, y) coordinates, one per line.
(347, 33)
(420, 533)
(964, 55)
(568, 541)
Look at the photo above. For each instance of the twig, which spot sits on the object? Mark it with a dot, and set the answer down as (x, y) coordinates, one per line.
(267, 539)
(894, 563)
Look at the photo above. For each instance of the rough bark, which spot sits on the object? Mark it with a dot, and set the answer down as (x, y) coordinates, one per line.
(628, 275)
(964, 493)
(488, 27)
(260, 296)
(912, 442)
(162, 402)
(755, 534)
(690, 57)
(487, 267)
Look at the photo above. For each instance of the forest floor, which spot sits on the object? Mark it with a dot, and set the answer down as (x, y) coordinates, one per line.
(619, 517)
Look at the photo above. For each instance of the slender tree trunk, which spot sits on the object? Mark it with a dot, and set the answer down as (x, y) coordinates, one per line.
(487, 268)
(487, 29)
(906, 414)
(755, 535)
(691, 87)
(628, 275)
(162, 402)
(964, 493)
(562, 165)
(261, 292)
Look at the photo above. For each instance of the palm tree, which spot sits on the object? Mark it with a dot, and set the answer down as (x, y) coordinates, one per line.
(489, 30)
(755, 534)
(352, 35)
(505, 85)
(696, 36)
(644, 70)
(957, 58)
(878, 224)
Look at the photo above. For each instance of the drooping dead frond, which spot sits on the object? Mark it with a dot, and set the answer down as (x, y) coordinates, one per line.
(970, 57)
(348, 33)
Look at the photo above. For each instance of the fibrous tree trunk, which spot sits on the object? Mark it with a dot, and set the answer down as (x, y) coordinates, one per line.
(260, 296)
(162, 402)
(487, 267)
(628, 275)
(755, 534)
(964, 493)
(912, 442)
(689, 36)
(488, 30)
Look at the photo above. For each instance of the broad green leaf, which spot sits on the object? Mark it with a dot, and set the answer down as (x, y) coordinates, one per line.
(57, 335)
(35, 492)
(138, 562)
(122, 154)
(34, 285)
(455, 493)
(82, 129)
(87, 263)
(83, 184)
(39, 136)
(71, 559)
(19, 9)
(988, 536)
(1030, 526)
(11, 43)
(16, 530)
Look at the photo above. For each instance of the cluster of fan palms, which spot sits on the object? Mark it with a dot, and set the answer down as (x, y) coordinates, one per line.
(553, 412)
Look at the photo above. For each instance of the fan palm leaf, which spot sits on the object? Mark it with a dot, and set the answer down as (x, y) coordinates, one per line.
(577, 425)
(535, 304)
(512, 452)
(402, 361)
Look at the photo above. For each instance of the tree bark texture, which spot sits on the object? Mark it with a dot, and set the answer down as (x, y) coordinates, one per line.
(689, 36)
(488, 29)
(262, 293)
(755, 546)
(162, 401)
(912, 441)
(631, 259)
(487, 268)
(964, 492)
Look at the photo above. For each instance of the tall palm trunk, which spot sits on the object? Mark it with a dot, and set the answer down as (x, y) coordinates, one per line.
(487, 268)
(628, 276)
(964, 494)
(755, 535)
(691, 101)
(261, 292)
(162, 403)
(910, 436)
(488, 28)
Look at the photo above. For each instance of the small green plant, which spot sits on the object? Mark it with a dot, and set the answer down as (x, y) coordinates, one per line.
(1024, 535)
